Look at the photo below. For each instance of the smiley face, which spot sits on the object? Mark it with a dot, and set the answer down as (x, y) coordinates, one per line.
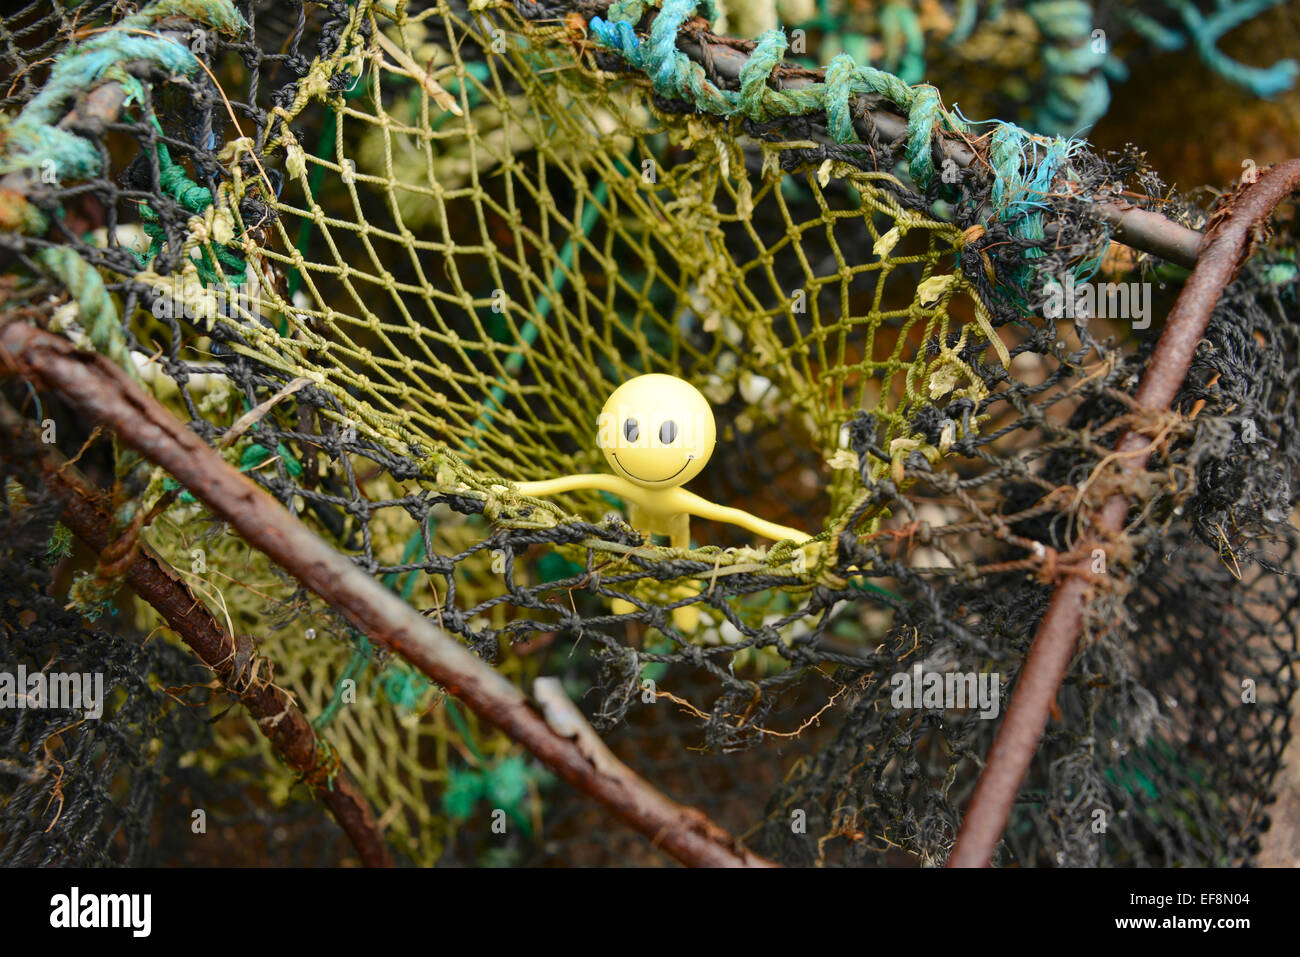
(656, 431)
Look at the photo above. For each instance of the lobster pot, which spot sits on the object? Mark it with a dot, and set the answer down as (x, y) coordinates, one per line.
(389, 260)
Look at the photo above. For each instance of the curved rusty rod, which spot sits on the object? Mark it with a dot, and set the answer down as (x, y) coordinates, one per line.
(1228, 242)
(104, 394)
(153, 579)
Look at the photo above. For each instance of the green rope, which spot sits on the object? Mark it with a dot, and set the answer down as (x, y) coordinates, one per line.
(674, 74)
(1078, 93)
(904, 41)
(173, 181)
(351, 672)
(542, 307)
(95, 304)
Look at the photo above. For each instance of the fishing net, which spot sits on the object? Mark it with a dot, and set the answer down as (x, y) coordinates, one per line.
(390, 259)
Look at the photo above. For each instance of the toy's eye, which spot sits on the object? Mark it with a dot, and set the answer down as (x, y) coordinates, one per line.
(631, 430)
(668, 432)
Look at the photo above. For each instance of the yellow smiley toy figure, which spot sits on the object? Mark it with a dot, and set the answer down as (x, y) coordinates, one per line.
(657, 433)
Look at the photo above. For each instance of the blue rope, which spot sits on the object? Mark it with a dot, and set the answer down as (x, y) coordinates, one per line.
(1206, 31)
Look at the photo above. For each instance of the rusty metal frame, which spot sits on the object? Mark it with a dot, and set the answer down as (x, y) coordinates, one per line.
(1231, 236)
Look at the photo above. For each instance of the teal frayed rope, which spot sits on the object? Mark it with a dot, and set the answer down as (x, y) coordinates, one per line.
(34, 138)
(1024, 167)
(675, 75)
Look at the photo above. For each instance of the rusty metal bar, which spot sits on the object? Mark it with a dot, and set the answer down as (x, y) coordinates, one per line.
(1228, 242)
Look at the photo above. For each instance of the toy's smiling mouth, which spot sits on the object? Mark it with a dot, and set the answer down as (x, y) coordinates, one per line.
(689, 459)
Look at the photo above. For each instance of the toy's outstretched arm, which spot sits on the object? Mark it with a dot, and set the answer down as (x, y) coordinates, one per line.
(735, 516)
(572, 483)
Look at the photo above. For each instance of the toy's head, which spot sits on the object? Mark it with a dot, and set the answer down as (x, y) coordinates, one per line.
(656, 431)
